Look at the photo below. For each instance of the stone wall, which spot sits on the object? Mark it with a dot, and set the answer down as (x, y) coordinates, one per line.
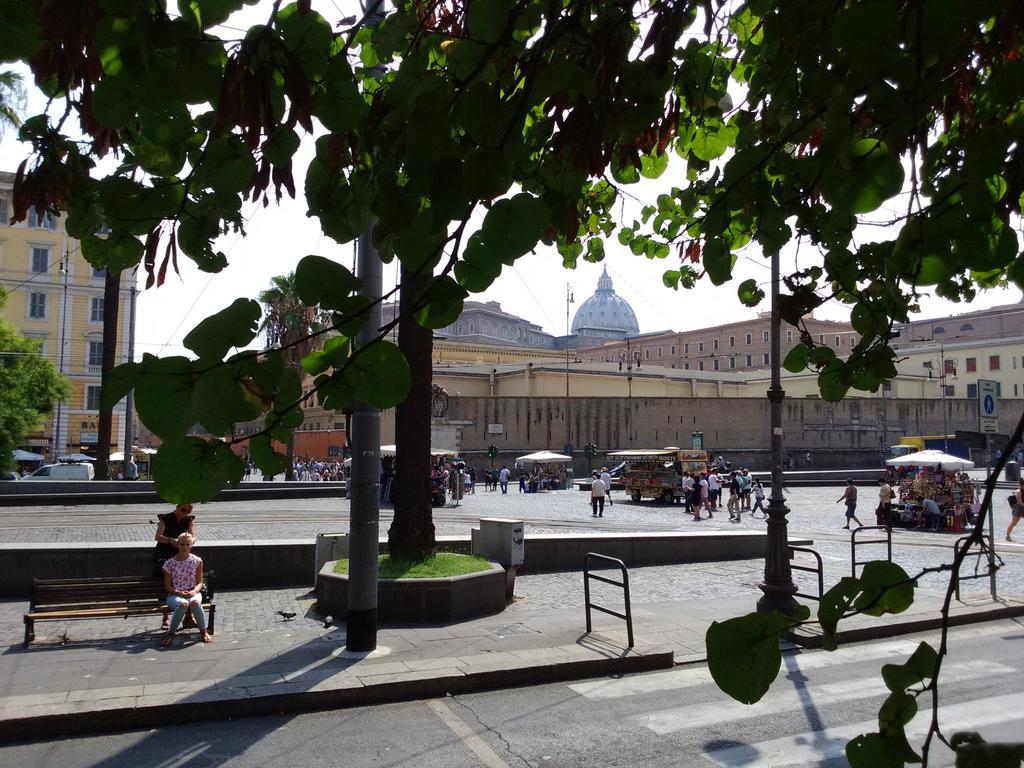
(851, 433)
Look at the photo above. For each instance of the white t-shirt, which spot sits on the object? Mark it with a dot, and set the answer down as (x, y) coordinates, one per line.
(597, 489)
(714, 483)
(606, 478)
(183, 572)
(503, 475)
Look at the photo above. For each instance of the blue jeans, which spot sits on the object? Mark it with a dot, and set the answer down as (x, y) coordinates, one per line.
(179, 605)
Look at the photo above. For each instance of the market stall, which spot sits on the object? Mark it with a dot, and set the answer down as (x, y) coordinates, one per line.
(935, 475)
(545, 470)
(657, 473)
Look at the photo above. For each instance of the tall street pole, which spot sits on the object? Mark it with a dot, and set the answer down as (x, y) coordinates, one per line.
(129, 405)
(364, 516)
(778, 584)
(568, 404)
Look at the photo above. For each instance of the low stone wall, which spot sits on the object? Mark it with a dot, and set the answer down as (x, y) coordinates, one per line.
(291, 563)
(30, 493)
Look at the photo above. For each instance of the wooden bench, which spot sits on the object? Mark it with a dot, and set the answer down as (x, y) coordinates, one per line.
(113, 597)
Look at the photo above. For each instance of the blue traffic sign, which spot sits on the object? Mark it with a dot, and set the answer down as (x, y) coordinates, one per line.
(989, 405)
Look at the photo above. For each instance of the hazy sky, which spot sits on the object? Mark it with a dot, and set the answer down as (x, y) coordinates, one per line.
(277, 237)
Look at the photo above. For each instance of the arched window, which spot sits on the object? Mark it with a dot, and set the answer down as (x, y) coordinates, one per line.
(938, 329)
(966, 327)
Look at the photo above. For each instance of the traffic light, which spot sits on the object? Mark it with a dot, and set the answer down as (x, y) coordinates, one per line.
(492, 451)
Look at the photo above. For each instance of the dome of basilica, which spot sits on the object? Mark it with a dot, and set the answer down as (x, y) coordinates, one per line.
(605, 313)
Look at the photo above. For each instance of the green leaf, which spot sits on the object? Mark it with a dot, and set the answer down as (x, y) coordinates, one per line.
(379, 375)
(918, 668)
(862, 178)
(743, 654)
(209, 13)
(835, 603)
(163, 395)
(487, 19)
(513, 226)
(112, 103)
(670, 279)
(718, 260)
(192, 469)
(118, 383)
(337, 102)
(315, 363)
(308, 36)
(984, 245)
(881, 595)
(796, 359)
(320, 281)
(749, 293)
(234, 326)
(222, 400)
(267, 459)
(713, 139)
(444, 303)
(871, 750)
(652, 166)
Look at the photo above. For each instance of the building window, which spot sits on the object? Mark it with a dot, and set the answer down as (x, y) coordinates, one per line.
(700, 346)
(764, 336)
(972, 390)
(949, 366)
(966, 327)
(100, 273)
(821, 338)
(714, 344)
(972, 364)
(659, 351)
(673, 365)
(471, 327)
(732, 341)
(700, 365)
(750, 361)
(686, 366)
(5, 217)
(92, 397)
(749, 339)
(839, 341)
(686, 348)
(938, 330)
(732, 362)
(886, 388)
(40, 259)
(715, 364)
(789, 336)
(767, 358)
(95, 353)
(96, 309)
(673, 349)
(37, 306)
(948, 390)
(993, 362)
(647, 354)
(999, 389)
(35, 221)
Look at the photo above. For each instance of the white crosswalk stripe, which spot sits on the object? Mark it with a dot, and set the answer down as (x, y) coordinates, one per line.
(780, 700)
(814, 747)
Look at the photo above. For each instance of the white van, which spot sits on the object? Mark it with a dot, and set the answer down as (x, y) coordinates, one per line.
(82, 471)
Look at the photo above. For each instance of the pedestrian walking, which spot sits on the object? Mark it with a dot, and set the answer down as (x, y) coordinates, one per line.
(714, 491)
(745, 481)
(705, 495)
(733, 504)
(597, 494)
(606, 478)
(503, 479)
(1016, 509)
(850, 497)
(758, 490)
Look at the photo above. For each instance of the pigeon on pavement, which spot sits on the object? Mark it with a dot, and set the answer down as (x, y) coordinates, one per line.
(286, 615)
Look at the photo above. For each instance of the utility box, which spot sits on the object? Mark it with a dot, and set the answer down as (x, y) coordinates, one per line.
(503, 542)
(329, 546)
(1012, 470)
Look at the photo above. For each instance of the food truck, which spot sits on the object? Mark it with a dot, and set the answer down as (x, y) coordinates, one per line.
(657, 473)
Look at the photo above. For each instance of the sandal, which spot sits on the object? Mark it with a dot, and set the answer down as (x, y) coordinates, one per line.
(206, 637)
(166, 642)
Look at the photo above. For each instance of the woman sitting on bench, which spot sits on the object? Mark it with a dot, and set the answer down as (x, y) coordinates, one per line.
(183, 578)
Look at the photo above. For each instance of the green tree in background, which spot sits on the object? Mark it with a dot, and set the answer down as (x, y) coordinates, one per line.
(292, 327)
(29, 386)
(12, 100)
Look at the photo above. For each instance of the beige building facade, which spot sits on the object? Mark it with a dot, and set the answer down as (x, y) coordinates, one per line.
(56, 297)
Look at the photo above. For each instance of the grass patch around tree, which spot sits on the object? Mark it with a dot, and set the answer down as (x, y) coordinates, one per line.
(440, 565)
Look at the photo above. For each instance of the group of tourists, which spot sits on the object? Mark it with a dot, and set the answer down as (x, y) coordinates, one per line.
(703, 491)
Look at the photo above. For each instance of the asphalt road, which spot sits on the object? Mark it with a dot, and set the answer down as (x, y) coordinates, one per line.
(678, 717)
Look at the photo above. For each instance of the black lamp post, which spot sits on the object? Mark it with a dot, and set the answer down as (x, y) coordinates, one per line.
(778, 587)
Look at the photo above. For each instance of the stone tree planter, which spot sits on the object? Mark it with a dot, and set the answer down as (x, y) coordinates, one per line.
(428, 601)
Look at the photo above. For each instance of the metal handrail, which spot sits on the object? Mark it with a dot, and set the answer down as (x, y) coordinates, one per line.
(983, 549)
(853, 544)
(587, 576)
(820, 570)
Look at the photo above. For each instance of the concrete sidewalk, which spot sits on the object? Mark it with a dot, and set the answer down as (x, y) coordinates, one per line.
(123, 679)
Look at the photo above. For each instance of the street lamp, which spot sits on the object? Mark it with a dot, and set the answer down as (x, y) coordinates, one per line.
(631, 359)
(942, 386)
(778, 587)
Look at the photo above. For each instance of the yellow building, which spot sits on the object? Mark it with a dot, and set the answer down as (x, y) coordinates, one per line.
(56, 296)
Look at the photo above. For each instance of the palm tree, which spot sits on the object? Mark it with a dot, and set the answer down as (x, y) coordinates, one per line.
(289, 324)
(12, 99)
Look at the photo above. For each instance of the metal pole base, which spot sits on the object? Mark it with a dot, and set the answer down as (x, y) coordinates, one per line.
(361, 630)
(778, 584)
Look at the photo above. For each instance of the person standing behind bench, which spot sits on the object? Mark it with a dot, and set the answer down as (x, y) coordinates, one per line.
(183, 579)
(170, 527)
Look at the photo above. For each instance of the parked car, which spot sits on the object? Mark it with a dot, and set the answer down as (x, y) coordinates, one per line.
(79, 471)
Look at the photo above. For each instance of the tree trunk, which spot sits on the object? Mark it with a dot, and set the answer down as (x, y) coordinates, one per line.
(111, 304)
(411, 535)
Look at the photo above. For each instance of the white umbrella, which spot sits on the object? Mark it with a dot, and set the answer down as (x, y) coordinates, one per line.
(931, 458)
(543, 457)
(20, 455)
(117, 456)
